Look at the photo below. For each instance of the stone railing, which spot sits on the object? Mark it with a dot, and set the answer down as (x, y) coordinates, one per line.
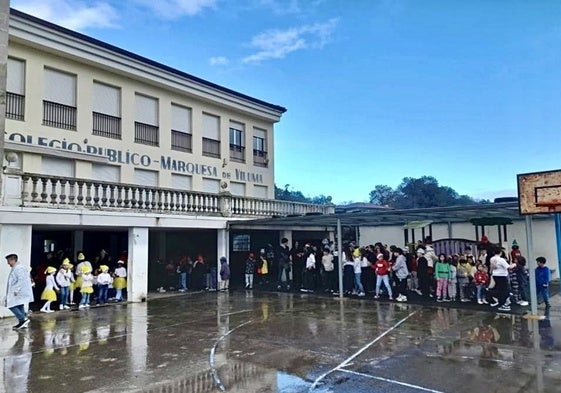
(60, 192)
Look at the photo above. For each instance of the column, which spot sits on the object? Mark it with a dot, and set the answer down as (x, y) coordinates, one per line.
(222, 237)
(137, 267)
(78, 240)
(14, 239)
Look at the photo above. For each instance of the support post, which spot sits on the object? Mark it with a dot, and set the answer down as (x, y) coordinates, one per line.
(340, 257)
(137, 267)
(531, 266)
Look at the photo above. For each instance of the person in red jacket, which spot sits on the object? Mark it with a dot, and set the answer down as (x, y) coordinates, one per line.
(481, 278)
(382, 269)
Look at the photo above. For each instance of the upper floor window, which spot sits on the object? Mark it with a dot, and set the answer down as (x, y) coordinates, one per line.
(106, 111)
(237, 142)
(15, 90)
(181, 128)
(211, 136)
(260, 157)
(59, 99)
(146, 121)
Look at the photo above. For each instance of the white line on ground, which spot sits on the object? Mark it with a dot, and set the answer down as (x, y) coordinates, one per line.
(213, 350)
(390, 381)
(234, 313)
(346, 362)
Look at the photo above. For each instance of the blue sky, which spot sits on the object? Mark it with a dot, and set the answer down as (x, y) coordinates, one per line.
(468, 92)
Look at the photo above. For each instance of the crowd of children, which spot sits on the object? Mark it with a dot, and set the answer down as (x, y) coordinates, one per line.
(492, 277)
(93, 283)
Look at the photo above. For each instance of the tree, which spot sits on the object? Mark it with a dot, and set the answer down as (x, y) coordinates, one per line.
(418, 193)
(383, 195)
(297, 196)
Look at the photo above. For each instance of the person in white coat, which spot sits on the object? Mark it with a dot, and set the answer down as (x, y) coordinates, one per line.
(19, 292)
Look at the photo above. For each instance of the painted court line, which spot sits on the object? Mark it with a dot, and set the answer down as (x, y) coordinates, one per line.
(213, 350)
(393, 381)
(349, 359)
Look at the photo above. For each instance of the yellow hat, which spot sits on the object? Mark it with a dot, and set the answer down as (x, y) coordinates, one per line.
(81, 256)
(50, 270)
(104, 268)
(356, 252)
(66, 261)
(86, 269)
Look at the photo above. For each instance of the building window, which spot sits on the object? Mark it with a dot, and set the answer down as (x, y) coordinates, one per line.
(106, 111)
(181, 182)
(181, 129)
(108, 173)
(146, 178)
(237, 189)
(211, 185)
(211, 136)
(237, 145)
(59, 102)
(15, 90)
(260, 157)
(146, 129)
(261, 192)
(241, 243)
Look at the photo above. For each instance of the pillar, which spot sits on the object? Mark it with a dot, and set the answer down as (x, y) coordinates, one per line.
(78, 240)
(221, 249)
(14, 239)
(137, 267)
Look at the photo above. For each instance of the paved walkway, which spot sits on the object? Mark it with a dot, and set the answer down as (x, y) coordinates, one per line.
(248, 341)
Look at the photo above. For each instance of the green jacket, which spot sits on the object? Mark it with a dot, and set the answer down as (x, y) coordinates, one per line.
(442, 270)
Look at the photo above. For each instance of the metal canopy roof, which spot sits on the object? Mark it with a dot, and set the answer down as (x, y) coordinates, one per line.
(387, 217)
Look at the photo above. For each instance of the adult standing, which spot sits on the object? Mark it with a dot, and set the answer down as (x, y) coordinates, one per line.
(284, 264)
(19, 292)
(499, 268)
(401, 273)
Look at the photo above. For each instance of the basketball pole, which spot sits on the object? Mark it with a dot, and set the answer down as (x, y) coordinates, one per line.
(531, 266)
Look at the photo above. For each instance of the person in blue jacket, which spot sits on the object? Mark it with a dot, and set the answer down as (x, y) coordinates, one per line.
(543, 275)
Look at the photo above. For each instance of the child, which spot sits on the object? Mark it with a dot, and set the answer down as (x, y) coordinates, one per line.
(463, 274)
(249, 271)
(543, 276)
(263, 267)
(120, 281)
(481, 278)
(87, 287)
(522, 277)
(103, 281)
(453, 281)
(72, 286)
(442, 274)
(357, 266)
(382, 269)
(49, 294)
(63, 278)
(224, 274)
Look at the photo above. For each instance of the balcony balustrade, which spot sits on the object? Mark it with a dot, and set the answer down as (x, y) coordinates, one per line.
(60, 192)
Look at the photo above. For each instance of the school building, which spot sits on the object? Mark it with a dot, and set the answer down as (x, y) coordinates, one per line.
(104, 148)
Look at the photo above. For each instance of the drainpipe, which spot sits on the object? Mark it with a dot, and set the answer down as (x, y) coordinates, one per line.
(4, 23)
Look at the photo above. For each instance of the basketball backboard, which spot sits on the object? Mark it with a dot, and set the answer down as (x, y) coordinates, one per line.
(539, 192)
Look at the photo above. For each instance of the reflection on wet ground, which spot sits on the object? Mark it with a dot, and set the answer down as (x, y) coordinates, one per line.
(280, 342)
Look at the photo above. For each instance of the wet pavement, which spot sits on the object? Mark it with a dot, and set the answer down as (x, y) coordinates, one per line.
(248, 342)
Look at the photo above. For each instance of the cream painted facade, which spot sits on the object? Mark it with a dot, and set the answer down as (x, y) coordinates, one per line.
(125, 187)
(41, 47)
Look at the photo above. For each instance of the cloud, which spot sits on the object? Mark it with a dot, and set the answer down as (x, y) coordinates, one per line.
(173, 9)
(218, 60)
(277, 44)
(285, 7)
(72, 14)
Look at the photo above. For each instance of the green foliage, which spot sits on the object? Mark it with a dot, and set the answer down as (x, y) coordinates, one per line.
(297, 196)
(418, 193)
